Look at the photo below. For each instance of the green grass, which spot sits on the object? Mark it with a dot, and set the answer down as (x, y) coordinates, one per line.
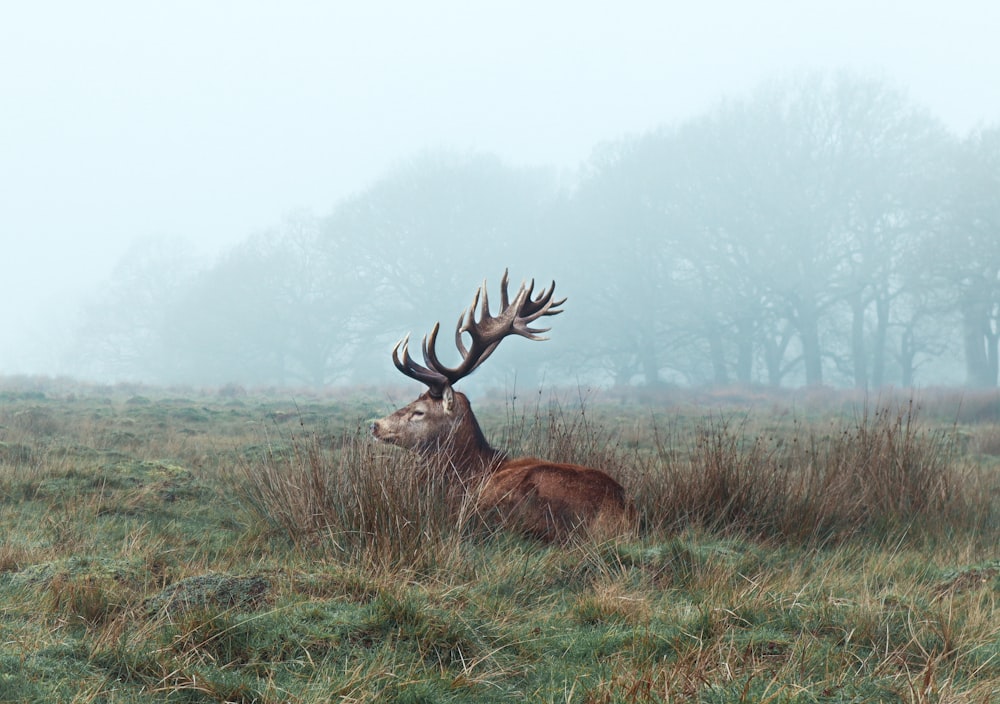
(261, 549)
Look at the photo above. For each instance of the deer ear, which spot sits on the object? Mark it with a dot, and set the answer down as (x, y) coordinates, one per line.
(448, 397)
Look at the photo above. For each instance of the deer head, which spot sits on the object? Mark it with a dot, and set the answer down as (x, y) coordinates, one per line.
(441, 420)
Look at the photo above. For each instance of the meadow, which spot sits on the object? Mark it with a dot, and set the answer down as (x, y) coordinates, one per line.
(225, 546)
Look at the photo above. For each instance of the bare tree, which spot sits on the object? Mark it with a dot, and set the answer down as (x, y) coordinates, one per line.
(121, 332)
(969, 256)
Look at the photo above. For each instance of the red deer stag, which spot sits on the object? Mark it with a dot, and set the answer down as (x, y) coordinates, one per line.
(545, 499)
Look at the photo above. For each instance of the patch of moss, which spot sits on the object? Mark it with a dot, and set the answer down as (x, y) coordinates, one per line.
(133, 472)
(79, 566)
(211, 592)
(983, 575)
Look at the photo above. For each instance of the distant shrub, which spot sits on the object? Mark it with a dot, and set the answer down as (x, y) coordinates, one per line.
(963, 405)
(15, 453)
(35, 421)
(986, 440)
(231, 391)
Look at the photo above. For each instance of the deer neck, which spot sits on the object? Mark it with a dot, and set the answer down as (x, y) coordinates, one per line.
(468, 450)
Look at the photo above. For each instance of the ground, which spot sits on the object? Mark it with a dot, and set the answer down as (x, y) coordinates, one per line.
(183, 546)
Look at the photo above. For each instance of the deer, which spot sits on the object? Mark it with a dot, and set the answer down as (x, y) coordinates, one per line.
(551, 501)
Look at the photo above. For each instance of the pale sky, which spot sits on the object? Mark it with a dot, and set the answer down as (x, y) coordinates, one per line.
(212, 120)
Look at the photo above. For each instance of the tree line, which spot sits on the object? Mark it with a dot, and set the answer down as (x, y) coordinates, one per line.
(821, 230)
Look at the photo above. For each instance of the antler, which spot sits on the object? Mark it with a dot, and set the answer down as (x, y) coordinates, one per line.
(513, 318)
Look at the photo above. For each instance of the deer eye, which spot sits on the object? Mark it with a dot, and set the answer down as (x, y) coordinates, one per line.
(417, 414)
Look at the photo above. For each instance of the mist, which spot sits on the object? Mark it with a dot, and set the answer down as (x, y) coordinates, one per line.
(270, 194)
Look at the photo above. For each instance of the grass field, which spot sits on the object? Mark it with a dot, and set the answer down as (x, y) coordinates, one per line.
(187, 547)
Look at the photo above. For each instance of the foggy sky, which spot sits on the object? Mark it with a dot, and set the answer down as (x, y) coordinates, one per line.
(212, 120)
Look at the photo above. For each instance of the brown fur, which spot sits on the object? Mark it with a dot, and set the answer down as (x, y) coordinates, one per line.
(552, 501)
(547, 500)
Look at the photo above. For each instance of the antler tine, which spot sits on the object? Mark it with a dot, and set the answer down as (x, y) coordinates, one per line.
(433, 379)
(466, 319)
(459, 329)
(529, 289)
(429, 348)
(484, 310)
(402, 365)
(504, 280)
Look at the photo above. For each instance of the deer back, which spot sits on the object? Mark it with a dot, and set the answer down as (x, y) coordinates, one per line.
(554, 501)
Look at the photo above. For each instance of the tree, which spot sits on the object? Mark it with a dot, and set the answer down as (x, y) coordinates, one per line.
(275, 309)
(751, 226)
(969, 260)
(121, 331)
(848, 187)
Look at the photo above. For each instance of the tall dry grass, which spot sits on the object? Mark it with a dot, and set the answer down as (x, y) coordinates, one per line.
(367, 504)
(882, 471)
